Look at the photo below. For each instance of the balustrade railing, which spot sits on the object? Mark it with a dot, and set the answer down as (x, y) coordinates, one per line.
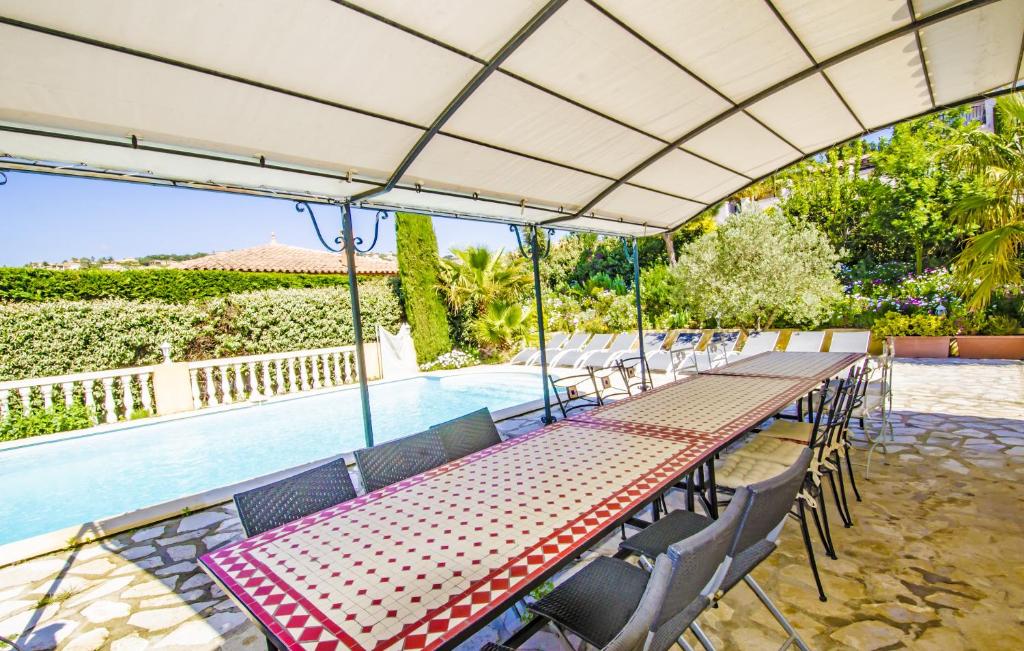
(122, 394)
(258, 377)
(113, 395)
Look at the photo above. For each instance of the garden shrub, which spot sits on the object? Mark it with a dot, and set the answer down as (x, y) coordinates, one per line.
(419, 266)
(759, 269)
(59, 418)
(894, 324)
(54, 338)
(165, 285)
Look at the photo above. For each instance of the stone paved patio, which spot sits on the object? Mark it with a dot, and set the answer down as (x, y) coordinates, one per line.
(935, 559)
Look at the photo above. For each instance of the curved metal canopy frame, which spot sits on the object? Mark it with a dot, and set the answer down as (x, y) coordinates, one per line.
(574, 217)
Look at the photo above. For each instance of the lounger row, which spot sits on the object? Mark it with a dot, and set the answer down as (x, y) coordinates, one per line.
(583, 349)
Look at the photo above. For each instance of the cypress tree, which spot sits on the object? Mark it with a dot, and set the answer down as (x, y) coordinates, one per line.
(418, 266)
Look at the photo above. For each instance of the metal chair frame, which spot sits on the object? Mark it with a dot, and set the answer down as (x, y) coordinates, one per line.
(570, 386)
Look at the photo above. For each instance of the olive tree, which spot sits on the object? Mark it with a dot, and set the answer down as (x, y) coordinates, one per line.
(758, 269)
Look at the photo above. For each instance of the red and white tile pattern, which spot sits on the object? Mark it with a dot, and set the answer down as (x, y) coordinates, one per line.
(412, 565)
(807, 365)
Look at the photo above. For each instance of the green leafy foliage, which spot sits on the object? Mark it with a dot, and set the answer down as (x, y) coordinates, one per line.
(993, 260)
(894, 324)
(166, 285)
(501, 326)
(59, 418)
(759, 269)
(54, 338)
(419, 268)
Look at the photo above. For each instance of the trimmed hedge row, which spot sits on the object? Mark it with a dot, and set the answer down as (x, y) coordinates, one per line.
(58, 337)
(167, 285)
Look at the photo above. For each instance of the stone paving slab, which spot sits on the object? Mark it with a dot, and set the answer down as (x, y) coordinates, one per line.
(934, 560)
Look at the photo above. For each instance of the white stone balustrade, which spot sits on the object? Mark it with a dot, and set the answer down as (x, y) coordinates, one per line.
(257, 377)
(109, 395)
(116, 395)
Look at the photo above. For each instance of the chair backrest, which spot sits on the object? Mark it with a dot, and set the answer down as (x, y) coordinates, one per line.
(685, 576)
(261, 509)
(654, 340)
(760, 342)
(391, 462)
(687, 339)
(725, 339)
(850, 342)
(467, 434)
(805, 341)
(769, 504)
(576, 341)
(624, 341)
(598, 342)
(555, 339)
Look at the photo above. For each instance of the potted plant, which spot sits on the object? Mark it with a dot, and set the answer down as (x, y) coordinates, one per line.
(916, 335)
(998, 340)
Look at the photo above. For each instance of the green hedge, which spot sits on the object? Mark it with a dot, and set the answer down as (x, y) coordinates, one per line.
(419, 265)
(167, 285)
(53, 338)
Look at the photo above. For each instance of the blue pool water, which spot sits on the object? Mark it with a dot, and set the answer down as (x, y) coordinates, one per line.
(50, 486)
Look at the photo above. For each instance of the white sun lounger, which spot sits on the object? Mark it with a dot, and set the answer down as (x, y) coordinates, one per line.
(574, 342)
(527, 354)
(806, 341)
(572, 357)
(660, 360)
(850, 342)
(620, 346)
(756, 343)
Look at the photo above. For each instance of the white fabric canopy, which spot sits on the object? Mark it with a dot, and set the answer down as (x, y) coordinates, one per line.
(619, 116)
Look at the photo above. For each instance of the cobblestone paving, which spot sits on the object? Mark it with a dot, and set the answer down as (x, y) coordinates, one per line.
(935, 559)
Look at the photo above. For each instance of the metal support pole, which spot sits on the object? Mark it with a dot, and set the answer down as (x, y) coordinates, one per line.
(639, 314)
(533, 241)
(357, 320)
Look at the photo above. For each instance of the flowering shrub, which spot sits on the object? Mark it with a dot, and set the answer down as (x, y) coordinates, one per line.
(454, 359)
(891, 287)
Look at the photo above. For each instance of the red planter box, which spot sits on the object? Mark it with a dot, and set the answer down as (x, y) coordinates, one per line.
(991, 347)
(920, 346)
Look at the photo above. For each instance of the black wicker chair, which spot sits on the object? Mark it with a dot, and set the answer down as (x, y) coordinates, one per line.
(765, 507)
(467, 434)
(617, 606)
(283, 501)
(391, 462)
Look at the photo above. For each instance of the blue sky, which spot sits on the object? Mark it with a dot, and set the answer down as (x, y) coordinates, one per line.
(53, 218)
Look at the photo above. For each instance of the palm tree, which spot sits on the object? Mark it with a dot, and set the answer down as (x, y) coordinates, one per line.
(992, 259)
(501, 326)
(478, 277)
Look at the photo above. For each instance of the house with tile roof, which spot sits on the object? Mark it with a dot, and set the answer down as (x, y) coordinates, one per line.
(284, 258)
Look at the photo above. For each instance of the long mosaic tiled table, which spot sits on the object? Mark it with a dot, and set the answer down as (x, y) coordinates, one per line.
(794, 365)
(423, 563)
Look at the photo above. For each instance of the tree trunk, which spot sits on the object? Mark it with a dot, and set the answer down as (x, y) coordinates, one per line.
(670, 248)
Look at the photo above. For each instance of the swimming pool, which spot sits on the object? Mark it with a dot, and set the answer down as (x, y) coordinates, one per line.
(52, 485)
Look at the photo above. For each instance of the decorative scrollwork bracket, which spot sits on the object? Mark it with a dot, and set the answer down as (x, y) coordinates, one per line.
(532, 237)
(304, 206)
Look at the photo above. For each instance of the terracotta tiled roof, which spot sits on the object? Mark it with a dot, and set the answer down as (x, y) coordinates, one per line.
(289, 259)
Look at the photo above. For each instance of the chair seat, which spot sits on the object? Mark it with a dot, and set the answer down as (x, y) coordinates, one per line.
(656, 538)
(789, 430)
(870, 403)
(596, 602)
(781, 451)
(738, 471)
